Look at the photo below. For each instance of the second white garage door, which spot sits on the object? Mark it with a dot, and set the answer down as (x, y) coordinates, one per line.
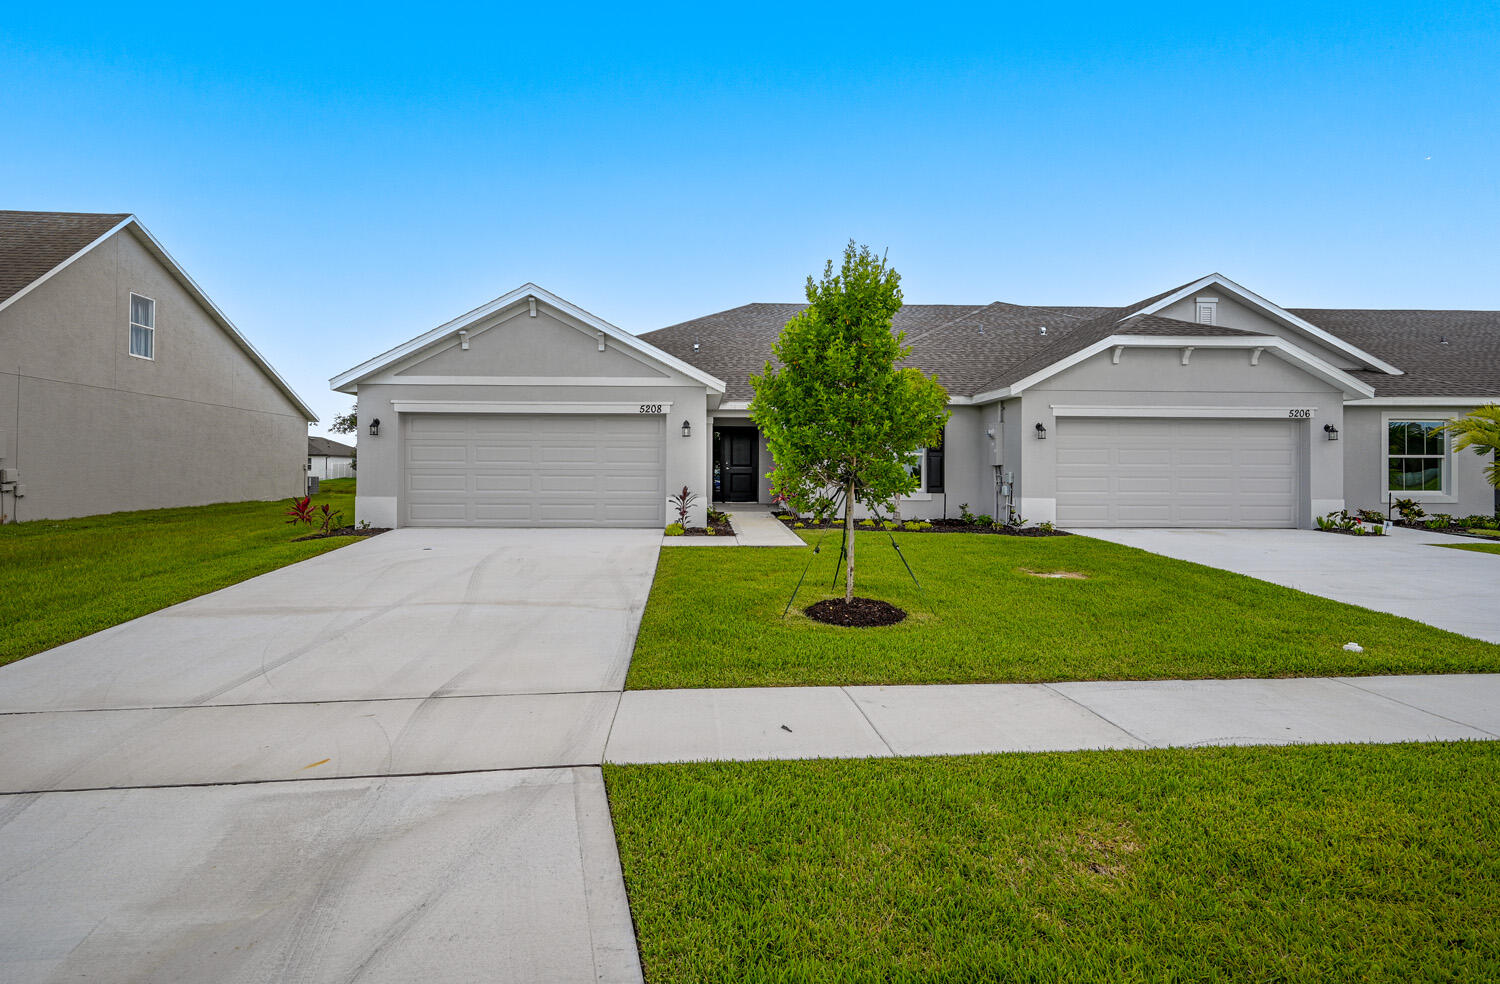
(514, 470)
(1176, 472)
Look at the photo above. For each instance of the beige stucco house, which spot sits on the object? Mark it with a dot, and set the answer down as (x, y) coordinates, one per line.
(1206, 405)
(122, 386)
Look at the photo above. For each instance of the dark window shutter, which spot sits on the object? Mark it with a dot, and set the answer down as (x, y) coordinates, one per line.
(935, 468)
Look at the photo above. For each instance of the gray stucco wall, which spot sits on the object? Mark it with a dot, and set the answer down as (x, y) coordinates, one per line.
(92, 429)
(1156, 377)
(1364, 440)
(516, 358)
(1231, 313)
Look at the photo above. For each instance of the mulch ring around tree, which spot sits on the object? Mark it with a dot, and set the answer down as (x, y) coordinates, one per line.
(345, 531)
(860, 613)
(936, 526)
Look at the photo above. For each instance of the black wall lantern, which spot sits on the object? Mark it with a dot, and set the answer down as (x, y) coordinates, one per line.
(375, 427)
(1331, 431)
(1041, 432)
(687, 429)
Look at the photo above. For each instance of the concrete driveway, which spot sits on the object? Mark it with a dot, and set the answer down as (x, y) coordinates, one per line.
(164, 819)
(1402, 573)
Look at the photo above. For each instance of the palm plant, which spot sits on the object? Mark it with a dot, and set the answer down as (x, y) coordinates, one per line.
(1480, 430)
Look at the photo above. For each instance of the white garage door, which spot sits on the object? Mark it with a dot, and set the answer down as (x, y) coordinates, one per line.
(512, 470)
(1178, 472)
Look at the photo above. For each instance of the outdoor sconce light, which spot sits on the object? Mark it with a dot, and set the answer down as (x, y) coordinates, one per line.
(375, 427)
(1331, 431)
(1041, 432)
(687, 429)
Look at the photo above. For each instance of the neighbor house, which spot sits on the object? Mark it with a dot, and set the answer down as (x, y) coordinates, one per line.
(327, 458)
(122, 386)
(1206, 405)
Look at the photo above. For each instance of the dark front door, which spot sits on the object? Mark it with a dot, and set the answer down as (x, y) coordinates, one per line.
(737, 464)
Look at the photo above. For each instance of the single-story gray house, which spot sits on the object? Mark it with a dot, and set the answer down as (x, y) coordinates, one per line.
(1206, 405)
(122, 386)
(327, 458)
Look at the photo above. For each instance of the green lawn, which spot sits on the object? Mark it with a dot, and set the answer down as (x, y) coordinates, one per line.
(1493, 548)
(1313, 863)
(714, 619)
(64, 579)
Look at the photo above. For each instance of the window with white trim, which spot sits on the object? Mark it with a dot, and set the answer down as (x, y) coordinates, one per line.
(926, 466)
(142, 327)
(1416, 456)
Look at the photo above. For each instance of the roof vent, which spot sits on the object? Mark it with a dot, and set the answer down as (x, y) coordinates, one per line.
(1443, 340)
(695, 346)
(1042, 329)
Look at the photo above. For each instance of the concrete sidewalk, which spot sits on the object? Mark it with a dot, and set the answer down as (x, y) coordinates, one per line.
(754, 526)
(849, 722)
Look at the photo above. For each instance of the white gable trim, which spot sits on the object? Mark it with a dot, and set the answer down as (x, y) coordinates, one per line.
(64, 264)
(1276, 311)
(348, 381)
(156, 249)
(1314, 365)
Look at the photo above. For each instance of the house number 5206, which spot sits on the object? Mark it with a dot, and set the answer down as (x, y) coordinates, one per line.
(650, 408)
(1296, 414)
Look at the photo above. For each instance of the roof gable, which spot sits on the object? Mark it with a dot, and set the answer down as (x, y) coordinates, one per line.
(1217, 281)
(36, 245)
(33, 240)
(522, 299)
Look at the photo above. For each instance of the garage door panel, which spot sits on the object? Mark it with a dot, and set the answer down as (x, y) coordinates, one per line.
(1189, 472)
(527, 470)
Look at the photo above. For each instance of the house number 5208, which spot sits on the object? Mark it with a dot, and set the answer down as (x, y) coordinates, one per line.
(650, 408)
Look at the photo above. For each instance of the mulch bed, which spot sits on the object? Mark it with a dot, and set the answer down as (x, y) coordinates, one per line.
(1463, 531)
(938, 526)
(712, 529)
(860, 613)
(1353, 533)
(345, 531)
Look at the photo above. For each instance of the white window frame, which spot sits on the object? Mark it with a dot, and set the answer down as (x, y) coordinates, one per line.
(1446, 493)
(130, 320)
(921, 495)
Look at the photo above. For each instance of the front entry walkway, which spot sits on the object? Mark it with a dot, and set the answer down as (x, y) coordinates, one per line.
(1402, 573)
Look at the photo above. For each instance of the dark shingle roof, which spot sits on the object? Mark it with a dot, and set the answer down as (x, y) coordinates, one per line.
(978, 348)
(34, 243)
(323, 445)
(1442, 353)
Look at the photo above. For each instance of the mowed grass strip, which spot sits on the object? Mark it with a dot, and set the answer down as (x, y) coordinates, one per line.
(1312, 863)
(1493, 548)
(714, 619)
(63, 579)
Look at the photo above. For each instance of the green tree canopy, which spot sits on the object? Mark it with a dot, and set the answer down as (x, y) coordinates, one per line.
(839, 418)
(1480, 430)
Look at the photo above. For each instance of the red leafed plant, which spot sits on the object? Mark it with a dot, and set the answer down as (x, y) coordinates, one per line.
(331, 519)
(300, 511)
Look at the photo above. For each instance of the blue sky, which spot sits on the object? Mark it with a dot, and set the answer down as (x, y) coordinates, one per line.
(340, 180)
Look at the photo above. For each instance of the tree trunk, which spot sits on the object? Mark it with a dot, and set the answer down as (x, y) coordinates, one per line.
(849, 543)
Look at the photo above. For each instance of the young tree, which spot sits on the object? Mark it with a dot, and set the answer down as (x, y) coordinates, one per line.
(1480, 430)
(838, 415)
(345, 423)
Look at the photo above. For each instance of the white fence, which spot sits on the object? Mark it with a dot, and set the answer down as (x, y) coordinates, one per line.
(326, 467)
